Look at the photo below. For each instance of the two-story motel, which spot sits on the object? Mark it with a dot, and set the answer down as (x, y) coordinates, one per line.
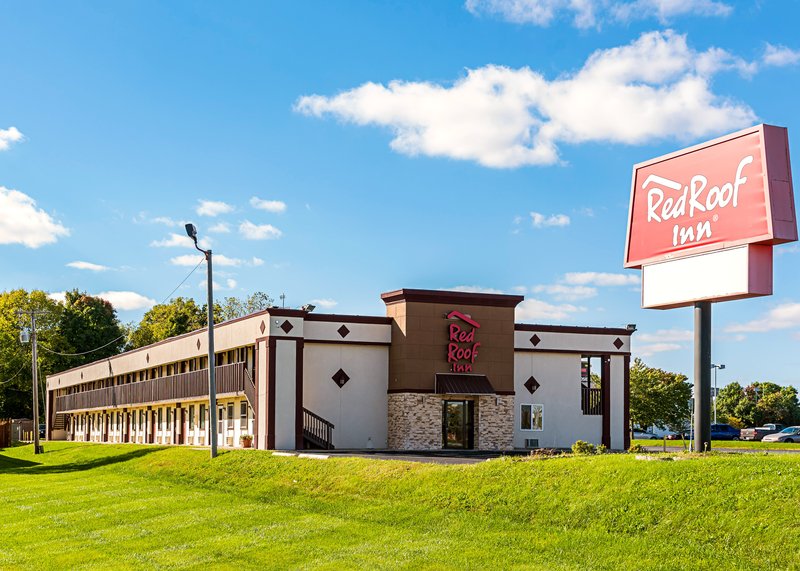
(442, 370)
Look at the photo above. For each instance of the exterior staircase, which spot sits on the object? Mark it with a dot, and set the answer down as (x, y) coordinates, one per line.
(317, 432)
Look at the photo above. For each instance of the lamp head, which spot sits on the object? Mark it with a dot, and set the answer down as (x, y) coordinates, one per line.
(309, 307)
(191, 231)
(631, 327)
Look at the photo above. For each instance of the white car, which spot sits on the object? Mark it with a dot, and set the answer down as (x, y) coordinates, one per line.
(790, 434)
(643, 435)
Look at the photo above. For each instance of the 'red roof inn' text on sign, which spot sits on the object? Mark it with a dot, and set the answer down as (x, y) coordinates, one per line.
(727, 192)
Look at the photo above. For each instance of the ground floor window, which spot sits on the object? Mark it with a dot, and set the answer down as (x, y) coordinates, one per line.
(202, 416)
(243, 415)
(191, 416)
(230, 416)
(531, 417)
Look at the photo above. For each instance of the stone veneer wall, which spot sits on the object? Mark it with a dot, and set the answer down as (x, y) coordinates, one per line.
(415, 422)
(495, 422)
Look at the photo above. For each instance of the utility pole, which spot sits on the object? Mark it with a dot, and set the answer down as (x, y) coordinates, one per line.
(191, 231)
(35, 375)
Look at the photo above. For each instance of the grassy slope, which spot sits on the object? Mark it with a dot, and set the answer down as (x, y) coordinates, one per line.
(121, 506)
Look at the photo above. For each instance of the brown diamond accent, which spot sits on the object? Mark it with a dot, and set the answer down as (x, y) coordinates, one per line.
(618, 342)
(340, 378)
(286, 326)
(531, 384)
(147, 357)
(198, 344)
(262, 327)
(535, 340)
(343, 331)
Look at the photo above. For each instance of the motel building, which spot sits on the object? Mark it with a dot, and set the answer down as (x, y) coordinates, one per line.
(442, 370)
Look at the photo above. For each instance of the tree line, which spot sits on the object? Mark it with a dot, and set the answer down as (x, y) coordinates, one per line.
(82, 322)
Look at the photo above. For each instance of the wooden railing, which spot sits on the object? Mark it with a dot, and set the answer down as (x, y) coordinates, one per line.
(317, 430)
(591, 401)
(230, 379)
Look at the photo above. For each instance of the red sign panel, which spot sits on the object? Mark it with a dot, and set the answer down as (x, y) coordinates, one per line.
(727, 192)
(462, 349)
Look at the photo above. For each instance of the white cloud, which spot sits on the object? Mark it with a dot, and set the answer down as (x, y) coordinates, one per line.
(180, 241)
(653, 89)
(653, 348)
(784, 316)
(540, 220)
(191, 260)
(229, 285)
(476, 289)
(563, 292)
(88, 266)
(250, 231)
(535, 309)
(255, 262)
(780, 56)
(591, 13)
(220, 228)
(601, 279)
(276, 206)
(666, 336)
(145, 218)
(213, 208)
(22, 223)
(126, 300)
(8, 136)
(58, 296)
(325, 303)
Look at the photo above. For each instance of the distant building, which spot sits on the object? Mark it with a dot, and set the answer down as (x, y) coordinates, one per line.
(442, 370)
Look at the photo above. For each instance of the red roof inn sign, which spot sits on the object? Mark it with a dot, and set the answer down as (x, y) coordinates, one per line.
(703, 220)
(462, 349)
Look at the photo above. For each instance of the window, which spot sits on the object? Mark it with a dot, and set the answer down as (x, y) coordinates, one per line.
(160, 418)
(243, 415)
(169, 418)
(230, 416)
(191, 416)
(531, 417)
(202, 416)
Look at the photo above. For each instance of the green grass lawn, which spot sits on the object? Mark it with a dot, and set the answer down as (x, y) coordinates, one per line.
(738, 444)
(83, 506)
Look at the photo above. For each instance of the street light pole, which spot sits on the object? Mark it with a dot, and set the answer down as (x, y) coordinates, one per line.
(715, 367)
(34, 376)
(212, 380)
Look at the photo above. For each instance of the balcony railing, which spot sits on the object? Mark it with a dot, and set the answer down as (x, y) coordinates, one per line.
(230, 379)
(591, 401)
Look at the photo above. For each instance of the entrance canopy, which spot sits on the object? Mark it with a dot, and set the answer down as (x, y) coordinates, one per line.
(462, 384)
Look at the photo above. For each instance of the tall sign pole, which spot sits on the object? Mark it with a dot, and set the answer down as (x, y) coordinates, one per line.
(702, 376)
(702, 225)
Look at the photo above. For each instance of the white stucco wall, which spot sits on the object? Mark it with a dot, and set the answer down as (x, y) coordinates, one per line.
(560, 392)
(285, 394)
(359, 409)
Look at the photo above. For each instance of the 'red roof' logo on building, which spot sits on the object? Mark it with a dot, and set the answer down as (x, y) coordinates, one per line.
(462, 349)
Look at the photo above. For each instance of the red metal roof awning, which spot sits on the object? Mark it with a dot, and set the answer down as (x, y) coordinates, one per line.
(462, 384)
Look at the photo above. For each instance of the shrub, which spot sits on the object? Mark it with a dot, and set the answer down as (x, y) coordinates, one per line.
(582, 448)
(636, 448)
(601, 449)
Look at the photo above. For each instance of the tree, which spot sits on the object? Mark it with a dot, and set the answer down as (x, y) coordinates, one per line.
(658, 397)
(165, 320)
(233, 307)
(758, 403)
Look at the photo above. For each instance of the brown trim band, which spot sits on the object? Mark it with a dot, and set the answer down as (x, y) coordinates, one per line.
(572, 329)
(431, 392)
(345, 342)
(283, 312)
(452, 297)
(570, 351)
(337, 318)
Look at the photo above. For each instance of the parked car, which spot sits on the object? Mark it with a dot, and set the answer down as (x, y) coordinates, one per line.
(673, 436)
(643, 435)
(718, 432)
(760, 432)
(790, 434)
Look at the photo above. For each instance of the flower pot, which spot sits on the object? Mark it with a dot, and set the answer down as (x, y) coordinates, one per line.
(247, 443)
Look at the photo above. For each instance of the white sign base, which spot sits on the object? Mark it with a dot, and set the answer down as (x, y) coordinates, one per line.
(722, 275)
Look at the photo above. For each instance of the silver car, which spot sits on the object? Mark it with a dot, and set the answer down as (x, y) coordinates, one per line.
(790, 434)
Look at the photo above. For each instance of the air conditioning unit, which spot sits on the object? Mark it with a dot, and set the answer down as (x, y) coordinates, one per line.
(531, 443)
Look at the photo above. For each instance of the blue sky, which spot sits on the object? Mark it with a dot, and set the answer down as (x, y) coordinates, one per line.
(333, 151)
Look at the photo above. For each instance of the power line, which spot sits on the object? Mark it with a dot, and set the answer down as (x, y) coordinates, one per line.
(124, 334)
(15, 375)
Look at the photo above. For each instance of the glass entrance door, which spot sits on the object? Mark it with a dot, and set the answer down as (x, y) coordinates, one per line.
(457, 424)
